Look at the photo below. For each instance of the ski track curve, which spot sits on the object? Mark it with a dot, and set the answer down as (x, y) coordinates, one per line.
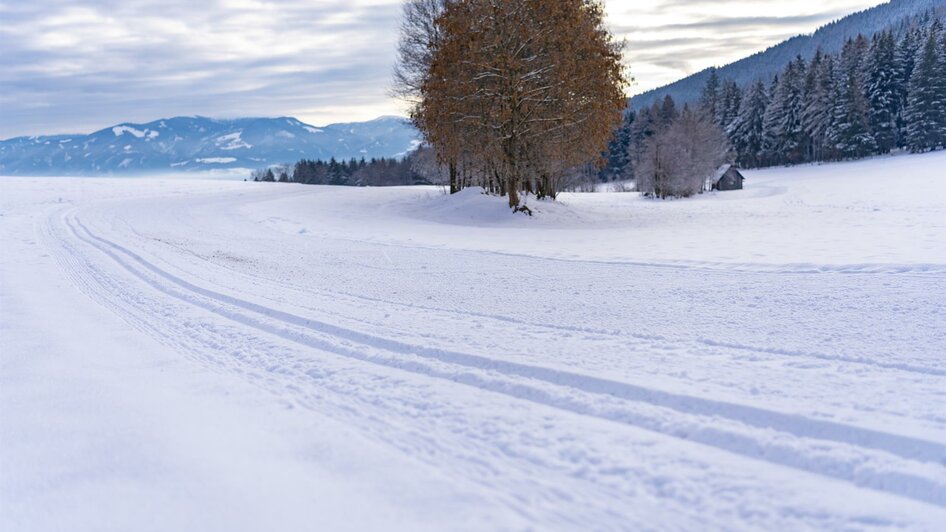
(737, 428)
(282, 376)
(700, 341)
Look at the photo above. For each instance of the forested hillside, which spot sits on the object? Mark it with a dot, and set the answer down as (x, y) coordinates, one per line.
(893, 16)
(874, 96)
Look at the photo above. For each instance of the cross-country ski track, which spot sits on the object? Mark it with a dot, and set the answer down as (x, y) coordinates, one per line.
(511, 388)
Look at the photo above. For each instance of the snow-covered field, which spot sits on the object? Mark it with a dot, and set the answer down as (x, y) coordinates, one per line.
(208, 355)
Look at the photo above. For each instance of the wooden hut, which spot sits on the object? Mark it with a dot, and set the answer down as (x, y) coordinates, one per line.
(728, 177)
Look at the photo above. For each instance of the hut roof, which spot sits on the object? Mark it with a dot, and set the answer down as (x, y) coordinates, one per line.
(722, 171)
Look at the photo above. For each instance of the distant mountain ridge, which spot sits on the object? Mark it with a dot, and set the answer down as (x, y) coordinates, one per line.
(196, 143)
(766, 64)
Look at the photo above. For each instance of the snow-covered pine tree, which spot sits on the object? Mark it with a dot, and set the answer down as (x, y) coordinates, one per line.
(852, 136)
(709, 98)
(882, 92)
(785, 139)
(618, 157)
(767, 154)
(940, 88)
(925, 115)
(815, 106)
(730, 101)
(907, 52)
(746, 132)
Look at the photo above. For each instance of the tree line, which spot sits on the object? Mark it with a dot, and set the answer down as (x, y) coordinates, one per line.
(522, 96)
(874, 96)
(415, 169)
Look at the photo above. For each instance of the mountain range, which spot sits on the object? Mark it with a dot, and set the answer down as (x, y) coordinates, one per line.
(195, 143)
(766, 64)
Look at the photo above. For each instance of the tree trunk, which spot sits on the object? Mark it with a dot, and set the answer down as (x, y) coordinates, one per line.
(513, 196)
(454, 182)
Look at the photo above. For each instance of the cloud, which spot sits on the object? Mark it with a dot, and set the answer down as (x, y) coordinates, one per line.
(670, 39)
(78, 65)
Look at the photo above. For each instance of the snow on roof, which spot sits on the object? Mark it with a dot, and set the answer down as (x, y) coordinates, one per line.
(721, 172)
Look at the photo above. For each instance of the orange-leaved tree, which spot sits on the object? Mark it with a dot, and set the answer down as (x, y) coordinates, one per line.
(514, 93)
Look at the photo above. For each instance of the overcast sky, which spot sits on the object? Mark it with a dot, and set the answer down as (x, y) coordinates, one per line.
(73, 66)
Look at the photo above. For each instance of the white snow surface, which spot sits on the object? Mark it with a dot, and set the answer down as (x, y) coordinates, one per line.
(137, 133)
(217, 355)
(216, 160)
(232, 141)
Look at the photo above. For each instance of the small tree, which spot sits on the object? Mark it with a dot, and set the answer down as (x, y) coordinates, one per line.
(618, 165)
(679, 160)
(258, 175)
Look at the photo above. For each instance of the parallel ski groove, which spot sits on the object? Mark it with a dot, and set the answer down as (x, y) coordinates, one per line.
(797, 426)
(755, 349)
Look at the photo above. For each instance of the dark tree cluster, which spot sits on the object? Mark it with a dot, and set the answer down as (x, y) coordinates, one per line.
(618, 163)
(411, 170)
(875, 96)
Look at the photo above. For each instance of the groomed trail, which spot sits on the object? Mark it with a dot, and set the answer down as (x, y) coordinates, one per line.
(220, 355)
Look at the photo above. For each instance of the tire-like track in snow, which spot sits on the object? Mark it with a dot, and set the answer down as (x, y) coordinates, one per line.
(561, 328)
(888, 462)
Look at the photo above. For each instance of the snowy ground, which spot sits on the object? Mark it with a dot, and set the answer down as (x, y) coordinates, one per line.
(206, 355)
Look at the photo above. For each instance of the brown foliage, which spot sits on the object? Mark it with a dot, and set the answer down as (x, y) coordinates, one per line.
(517, 92)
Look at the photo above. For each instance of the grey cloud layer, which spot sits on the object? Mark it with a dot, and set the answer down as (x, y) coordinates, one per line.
(73, 66)
(670, 39)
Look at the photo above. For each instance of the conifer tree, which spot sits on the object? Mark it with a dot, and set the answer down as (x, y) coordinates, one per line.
(667, 112)
(882, 92)
(729, 104)
(818, 104)
(926, 105)
(746, 132)
(852, 136)
(709, 99)
(818, 113)
(618, 156)
(785, 138)
(905, 63)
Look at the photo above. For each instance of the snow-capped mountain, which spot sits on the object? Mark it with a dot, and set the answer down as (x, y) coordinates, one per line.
(200, 144)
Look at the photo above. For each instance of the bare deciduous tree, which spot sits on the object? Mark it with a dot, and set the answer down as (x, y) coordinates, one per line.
(678, 159)
(419, 40)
